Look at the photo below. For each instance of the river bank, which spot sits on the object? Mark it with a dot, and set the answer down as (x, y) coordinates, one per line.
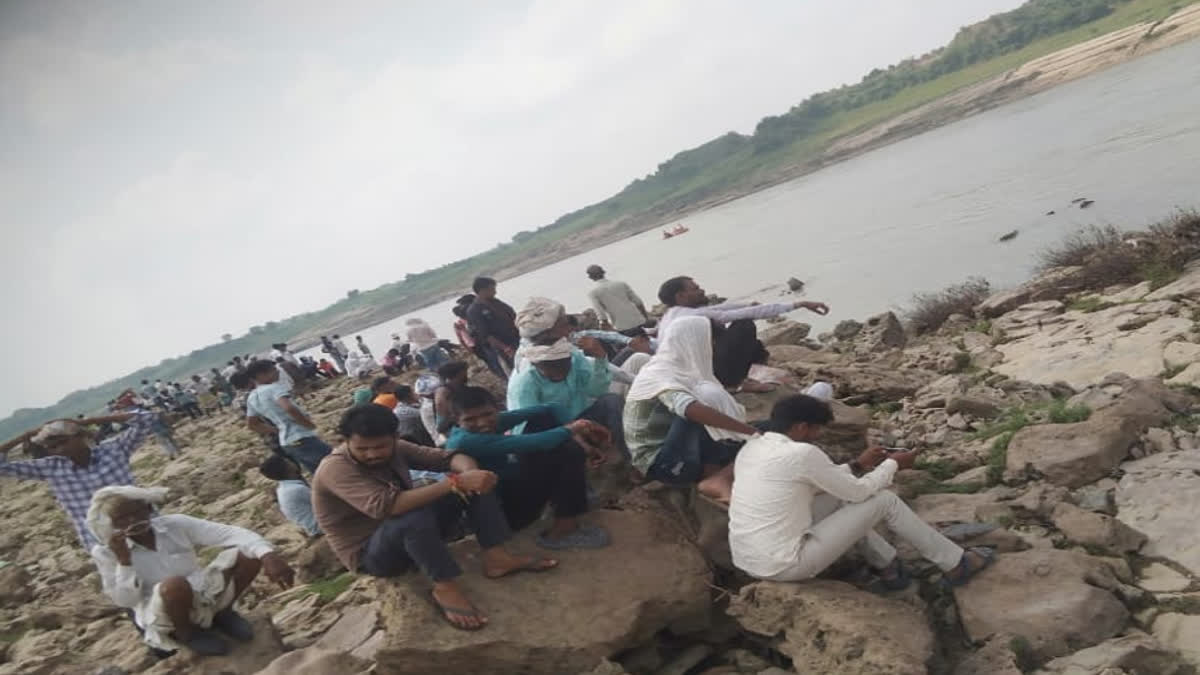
(1059, 422)
(1028, 79)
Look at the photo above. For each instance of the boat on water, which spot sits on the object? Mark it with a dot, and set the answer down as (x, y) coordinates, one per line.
(675, 231)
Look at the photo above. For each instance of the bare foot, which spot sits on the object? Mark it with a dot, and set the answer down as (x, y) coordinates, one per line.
(498, 562)
(455, 606)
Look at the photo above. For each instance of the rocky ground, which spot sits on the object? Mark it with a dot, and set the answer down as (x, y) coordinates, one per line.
(1057, 425)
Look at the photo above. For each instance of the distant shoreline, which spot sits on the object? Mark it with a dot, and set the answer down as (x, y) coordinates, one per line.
(1038, 75)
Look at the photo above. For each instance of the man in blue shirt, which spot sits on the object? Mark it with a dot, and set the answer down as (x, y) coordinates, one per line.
(292, 493)
(544, 465)
(271, 402)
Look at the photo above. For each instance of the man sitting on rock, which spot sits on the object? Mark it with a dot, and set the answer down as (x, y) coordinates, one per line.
(148, 564)
(379, 524)
(75, 467)
(794, 512)
(549, 466)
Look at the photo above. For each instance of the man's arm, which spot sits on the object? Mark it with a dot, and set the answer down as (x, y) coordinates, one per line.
(711, 417)
(119, 582)
(141, 424)
(637, 301)
(724, 314)
(598, 305)
(485, 446)
(421, 457)
(203, 533)
(596, 378)
(260, 425)
(294, 412)
(818, 469)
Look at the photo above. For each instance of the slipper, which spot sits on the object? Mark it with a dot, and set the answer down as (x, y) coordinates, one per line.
(582, 537)
(535, 565)
(445, 611)
(963, 571)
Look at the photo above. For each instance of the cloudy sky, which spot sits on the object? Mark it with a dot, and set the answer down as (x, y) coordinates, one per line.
(171, 171)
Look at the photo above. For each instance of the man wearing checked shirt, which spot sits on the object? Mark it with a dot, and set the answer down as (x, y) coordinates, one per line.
(75, 466)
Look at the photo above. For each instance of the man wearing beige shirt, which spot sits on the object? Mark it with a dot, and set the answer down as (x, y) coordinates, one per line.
(378, 523)
(615, 302)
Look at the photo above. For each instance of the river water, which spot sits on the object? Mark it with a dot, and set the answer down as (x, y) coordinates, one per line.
(925, 212)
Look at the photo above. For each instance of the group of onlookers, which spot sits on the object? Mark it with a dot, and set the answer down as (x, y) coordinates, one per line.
(416, 461)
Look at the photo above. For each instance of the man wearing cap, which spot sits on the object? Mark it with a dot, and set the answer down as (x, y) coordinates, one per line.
(554, 373)
(615, 302)
(75, 466)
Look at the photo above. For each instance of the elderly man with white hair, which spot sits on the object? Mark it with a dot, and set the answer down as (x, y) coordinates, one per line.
(148, 564)
(75, 466)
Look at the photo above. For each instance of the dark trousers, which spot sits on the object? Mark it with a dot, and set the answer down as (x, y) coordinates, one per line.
(735, 349)
(418, 538)
(307, 452)
(608, 411)
(688, 448)
(557, 477)
(193, 410)
(495, 360)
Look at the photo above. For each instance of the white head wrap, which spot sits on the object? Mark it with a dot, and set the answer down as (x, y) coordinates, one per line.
(683, 362)
(56, 429)
(97, 518)
(554, 352)
(820, 390)
(539, 316)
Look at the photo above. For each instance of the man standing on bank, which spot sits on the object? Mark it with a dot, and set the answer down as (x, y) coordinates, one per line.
(615, 303)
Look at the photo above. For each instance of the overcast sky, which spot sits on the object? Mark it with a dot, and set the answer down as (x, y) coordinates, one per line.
(172, 171)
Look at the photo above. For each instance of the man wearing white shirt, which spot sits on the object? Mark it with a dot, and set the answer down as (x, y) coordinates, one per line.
(148, 564)
(794, 512)
(684, 297)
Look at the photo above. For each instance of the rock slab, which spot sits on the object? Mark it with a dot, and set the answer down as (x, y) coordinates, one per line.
(595, 604)
(1160, 496)
(832, 627)
(1056, 600)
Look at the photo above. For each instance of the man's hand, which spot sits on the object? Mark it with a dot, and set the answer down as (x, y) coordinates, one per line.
(477, 481)
(592, 347)
(871, 457)
(906, 460)
(277, 570)
(592, 432)
(120, 548)
(814, 307)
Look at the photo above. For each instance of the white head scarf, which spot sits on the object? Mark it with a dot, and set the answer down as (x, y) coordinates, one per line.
(558, 351)
(56, 429)
(97, 517)
(538, 316)
(684, 363)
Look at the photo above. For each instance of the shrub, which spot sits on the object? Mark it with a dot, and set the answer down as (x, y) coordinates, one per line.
(1060, 413)
(930, 310)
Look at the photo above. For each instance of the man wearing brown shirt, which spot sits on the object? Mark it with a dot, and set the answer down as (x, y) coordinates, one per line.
(377, 523)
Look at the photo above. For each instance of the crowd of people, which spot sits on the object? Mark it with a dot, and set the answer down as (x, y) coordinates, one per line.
(421, 464)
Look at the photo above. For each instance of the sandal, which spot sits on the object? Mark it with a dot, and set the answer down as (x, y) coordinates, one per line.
(448, 611)
(963, 572)
(534, 564)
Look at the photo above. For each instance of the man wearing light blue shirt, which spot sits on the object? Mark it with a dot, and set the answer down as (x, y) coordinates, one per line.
(271, 401)
(292, 493)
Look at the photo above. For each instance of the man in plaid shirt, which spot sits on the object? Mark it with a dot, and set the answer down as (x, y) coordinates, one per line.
(75, 466)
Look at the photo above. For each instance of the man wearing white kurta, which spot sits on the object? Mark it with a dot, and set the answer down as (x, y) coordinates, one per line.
(148, 564)
(794, 512)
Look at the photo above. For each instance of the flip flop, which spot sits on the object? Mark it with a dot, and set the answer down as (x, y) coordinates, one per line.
(963, 571)
(535, 565)
(445, 611)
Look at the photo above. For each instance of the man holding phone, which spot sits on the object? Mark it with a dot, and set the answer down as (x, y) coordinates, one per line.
(794, 512)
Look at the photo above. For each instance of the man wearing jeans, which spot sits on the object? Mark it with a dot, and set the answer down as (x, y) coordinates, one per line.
(377, 522)
(271, 402)
(794, 512)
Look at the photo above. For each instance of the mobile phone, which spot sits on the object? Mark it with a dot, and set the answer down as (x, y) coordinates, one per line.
(895, 450)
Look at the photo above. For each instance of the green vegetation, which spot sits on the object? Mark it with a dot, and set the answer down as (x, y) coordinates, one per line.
(781, 146)
(1004, 427)
(1088, 304)
(1058, 412)
(331, 587)
(940, 469)
(931, 487)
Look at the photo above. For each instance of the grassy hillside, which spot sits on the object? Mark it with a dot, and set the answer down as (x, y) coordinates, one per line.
(729, 164)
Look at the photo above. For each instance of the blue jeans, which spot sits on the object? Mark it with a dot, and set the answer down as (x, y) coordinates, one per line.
(308, 452)
(688, 448)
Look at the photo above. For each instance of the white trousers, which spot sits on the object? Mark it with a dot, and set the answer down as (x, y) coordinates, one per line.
(837, 527)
